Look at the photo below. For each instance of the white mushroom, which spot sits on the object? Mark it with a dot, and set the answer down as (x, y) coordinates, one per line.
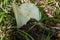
(25, 12)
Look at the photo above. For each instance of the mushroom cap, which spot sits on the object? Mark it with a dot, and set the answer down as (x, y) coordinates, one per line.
(28, 11)
(25, 12)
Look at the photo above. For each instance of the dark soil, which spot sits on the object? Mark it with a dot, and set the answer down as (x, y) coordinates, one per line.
(36, 32)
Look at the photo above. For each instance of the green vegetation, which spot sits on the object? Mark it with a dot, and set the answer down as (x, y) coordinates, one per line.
(50, 18)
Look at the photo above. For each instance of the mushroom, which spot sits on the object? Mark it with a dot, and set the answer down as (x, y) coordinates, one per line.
(25, 12)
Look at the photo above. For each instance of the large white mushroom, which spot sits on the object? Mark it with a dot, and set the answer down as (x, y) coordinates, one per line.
(25, 12)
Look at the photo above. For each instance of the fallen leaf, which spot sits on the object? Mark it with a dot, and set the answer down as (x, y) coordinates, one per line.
(49, 11)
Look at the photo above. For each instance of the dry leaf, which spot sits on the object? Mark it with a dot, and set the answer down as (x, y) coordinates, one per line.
(49, 11)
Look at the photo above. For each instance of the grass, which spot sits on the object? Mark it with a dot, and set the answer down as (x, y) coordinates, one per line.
(7, 18)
